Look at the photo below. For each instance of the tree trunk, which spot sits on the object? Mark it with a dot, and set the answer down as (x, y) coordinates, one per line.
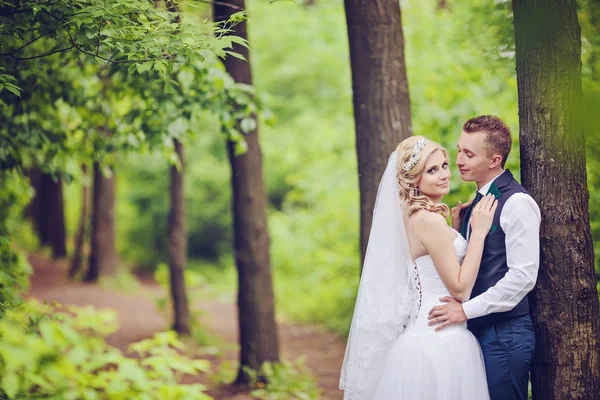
(33, 210)
(258, 331)
(47, 212)
(177, 228)
(380, 88)
(103, 255)
(83, 222)
(565, 312)
(178, 246)
(56, 235)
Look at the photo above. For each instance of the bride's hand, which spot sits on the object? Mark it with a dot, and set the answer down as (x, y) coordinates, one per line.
(458, 213)
(483, 215)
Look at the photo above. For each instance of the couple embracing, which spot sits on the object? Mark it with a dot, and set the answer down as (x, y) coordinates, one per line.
(442, 312)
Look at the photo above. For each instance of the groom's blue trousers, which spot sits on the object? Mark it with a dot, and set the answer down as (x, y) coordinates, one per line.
(507, 347)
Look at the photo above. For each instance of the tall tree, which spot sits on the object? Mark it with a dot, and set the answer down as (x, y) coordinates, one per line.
(566, 312)
(47, 211)
(258, 331)
(177, 229)
(178, 245)
(77, 258)
(380, 88)
(103, 255)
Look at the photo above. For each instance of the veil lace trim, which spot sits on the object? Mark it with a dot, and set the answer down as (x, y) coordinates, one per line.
(389, 295)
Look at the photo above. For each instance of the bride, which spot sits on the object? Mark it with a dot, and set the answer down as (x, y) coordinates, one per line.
(413, 259)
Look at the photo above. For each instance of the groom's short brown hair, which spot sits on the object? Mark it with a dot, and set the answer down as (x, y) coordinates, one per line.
(496, 131)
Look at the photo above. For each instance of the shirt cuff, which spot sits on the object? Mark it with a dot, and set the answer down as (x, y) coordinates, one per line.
(473, 308)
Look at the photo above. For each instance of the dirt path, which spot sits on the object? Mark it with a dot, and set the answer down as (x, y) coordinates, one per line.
(139, 318)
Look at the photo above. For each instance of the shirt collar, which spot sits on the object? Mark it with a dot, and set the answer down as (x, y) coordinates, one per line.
(485, 189)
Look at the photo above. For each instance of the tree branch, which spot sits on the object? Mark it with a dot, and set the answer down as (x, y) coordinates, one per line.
(81, 50)
(38, 56)
(12, 52)
(14, 12)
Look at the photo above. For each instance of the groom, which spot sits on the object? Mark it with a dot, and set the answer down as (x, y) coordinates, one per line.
(498, 312)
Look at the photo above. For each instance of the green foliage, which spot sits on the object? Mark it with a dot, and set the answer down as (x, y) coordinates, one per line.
(195, 284)
(131, 59)
(122, 280)
(286, 380)
(310, 162)
(143, 201)
(133, 32)
(309, 155)
(60, 353)
(15, 193)
(589, 17)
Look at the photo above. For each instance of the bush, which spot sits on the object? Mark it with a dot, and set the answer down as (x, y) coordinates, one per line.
(15, 193)
(59, 352)
(286, 380)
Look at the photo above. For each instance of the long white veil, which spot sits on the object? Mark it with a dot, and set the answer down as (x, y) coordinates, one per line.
(388, 295)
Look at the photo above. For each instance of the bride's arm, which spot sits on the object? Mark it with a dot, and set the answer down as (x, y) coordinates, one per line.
(459, 279)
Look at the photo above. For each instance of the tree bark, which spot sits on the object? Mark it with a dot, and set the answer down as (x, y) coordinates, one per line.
(258, 331)
(381, 99)
(33, 210)
(47, 212)
(177, 229)
(103, 255)
(77, 259)
(178, 246)
(55, 214)
(565, 312)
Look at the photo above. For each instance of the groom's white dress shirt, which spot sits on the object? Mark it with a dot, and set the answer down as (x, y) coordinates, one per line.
(520, 220)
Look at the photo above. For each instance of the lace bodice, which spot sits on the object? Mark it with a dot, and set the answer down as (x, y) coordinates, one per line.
(429, 281)
(430, 287)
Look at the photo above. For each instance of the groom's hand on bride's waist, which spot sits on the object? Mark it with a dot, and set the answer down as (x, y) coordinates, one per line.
(451, 313)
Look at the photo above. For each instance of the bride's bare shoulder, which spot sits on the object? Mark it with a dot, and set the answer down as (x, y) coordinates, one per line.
(423, 220)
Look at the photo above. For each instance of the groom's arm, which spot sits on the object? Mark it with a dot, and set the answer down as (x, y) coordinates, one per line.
(520, 221)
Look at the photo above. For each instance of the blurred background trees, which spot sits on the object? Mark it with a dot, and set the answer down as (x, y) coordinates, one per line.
(123, 100)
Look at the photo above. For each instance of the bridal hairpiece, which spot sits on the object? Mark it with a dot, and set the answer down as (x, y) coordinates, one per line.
(416, 154)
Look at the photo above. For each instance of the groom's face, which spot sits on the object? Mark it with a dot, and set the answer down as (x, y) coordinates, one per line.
(473, 159)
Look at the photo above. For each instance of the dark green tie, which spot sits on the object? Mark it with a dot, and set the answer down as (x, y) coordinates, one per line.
(464, 226)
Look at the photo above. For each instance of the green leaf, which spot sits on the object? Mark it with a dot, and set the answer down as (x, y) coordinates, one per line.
(10, 384)
(168, 88)
(240, 148)
(143, 67)
(236, 55)
(13, 89)
(237, 17)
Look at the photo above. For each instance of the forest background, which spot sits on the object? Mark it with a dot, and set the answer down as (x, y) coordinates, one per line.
(460, 62)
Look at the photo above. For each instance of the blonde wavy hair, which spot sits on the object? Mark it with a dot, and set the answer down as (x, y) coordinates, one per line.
(407, 180)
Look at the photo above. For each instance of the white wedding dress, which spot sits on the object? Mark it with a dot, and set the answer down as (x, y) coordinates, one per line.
(426, 365)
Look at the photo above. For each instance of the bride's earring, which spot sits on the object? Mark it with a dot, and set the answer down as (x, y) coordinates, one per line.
(417, 192)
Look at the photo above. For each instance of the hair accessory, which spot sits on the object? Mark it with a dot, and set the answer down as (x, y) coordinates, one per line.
(414, 158)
